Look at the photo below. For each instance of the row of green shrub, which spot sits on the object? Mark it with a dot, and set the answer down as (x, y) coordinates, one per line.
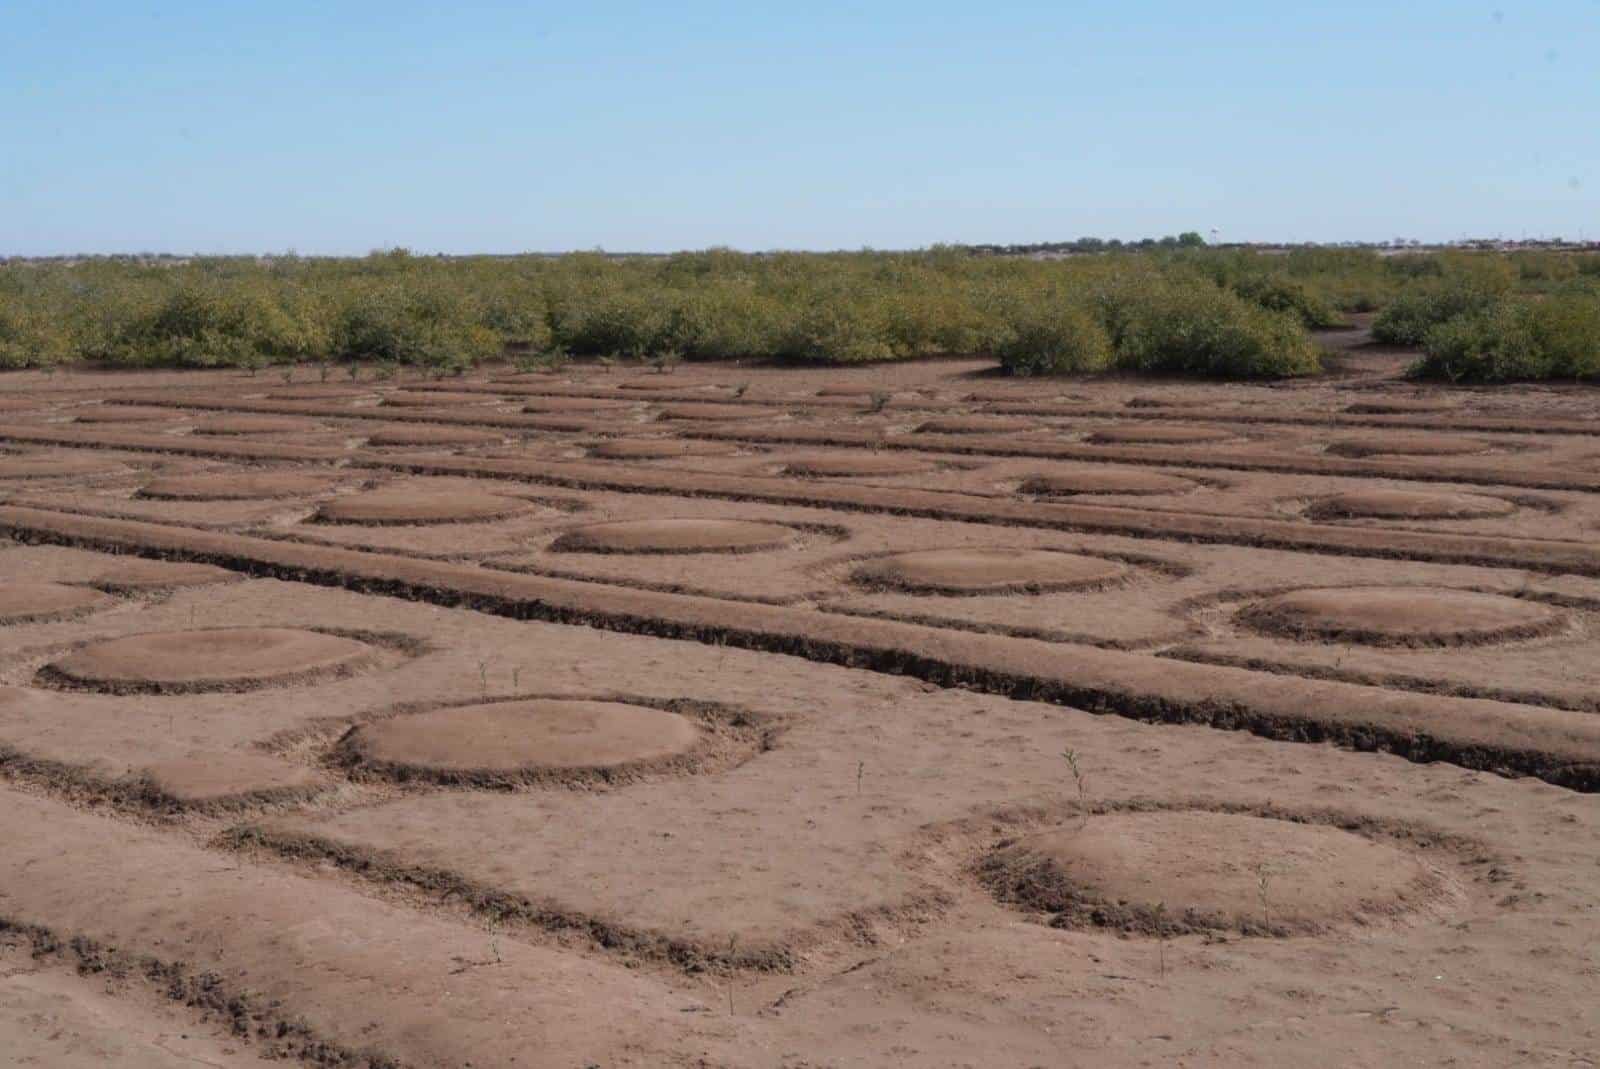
(1183, 308)
(1516, 339)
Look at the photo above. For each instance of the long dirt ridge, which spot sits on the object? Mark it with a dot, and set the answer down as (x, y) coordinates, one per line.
(1473, 733)
(1533, 555)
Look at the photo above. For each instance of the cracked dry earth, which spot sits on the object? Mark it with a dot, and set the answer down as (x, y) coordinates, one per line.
(797, 718)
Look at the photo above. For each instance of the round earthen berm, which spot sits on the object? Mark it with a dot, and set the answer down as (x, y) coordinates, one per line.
(235, 486)
(239, 658)
(988, 571)
(1411, 445)
(402, 505)
(510, 737)
(1158, 434)
(716, 413)
(1173, 872)
(433, 435)
(118, 414)
(134, 576)
(1408, 505)
(22, 603)
(976, 425)
(245, 425)
(437, 399)
(1104, 481)
(844, 465)
(656, 449)
(687, 535)
(1400, 616)
(55, 466)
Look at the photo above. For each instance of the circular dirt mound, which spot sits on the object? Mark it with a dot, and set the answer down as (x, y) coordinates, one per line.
(1174, 872)
(574, 404)
(675, 536)
(656, 449)
(240, 486)
(401, 505)
(660, 385)
(520, 738)
(138, 576)
(252, 425)
(976, 425)
(1397, 406)
(1166, 402)
(1094, 481)
(225, 659)
(439, 399)
(318, 393)
(1417, 445)
(1408, 505)
(115, 414)
(430, 435)
(1158, 433)
(827, 466)
(1400, 616)
(852, 391)
(708, 413)
(988, 571)
(55, 467)
(22, 603)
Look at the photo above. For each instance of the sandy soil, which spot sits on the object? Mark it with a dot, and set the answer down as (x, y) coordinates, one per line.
(798, 718)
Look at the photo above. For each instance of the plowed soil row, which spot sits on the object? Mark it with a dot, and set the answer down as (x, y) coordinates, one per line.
(1441, 547)
(1558, 746)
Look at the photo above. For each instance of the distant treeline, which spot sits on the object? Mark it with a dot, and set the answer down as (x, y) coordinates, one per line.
(1174, 305)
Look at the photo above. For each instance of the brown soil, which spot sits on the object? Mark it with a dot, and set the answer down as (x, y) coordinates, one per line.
(1408, 505)
(1173, 872)
(1413, 445)
(975, 425)
(430, 436)
(715, 413)
(236, 486)
(436, 399)
(30, 602)
(1401, 616)
(512, 737)
(143, 576)
(118, 414)
(252, 425)
(988, 571)
(1104, 481)
(674, 536)
(1160, 434)
(178, 662)
(860, 844)
(836, 465)
(399, 505)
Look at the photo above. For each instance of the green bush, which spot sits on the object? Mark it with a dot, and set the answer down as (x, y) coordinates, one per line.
(1197, 329)
(1408, 318)
(1278, 294)
(393, 324)
(204, 327)
(1516, 339)
(1054, 339)
(28, 338)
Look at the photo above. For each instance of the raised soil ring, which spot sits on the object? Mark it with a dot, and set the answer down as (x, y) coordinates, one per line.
(1165, 402)
(235, 486)
(835, 466)
(528, 740)
(1400, 616)
(35, 466)
(243, 425)
(1100, 481)
(429, 436)
(675, 536)
(1408, 505)
(976, 425)
(437, 399)
(218, 779)
(575, 404)
(180, 662)
(318, 393)
(716, 413)
(665, 384)
(864, 390)
(134, 576)
(26, 603)
(657, 449)
(118, 414)
(397, 506)
(959, 572)
(1159, 434)
(1397, 406)
(1173, 872)
(1412, 445)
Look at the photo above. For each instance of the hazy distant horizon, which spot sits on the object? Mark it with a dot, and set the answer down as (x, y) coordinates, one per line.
(491, 128)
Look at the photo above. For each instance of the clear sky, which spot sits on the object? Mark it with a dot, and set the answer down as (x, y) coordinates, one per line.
(339, 126)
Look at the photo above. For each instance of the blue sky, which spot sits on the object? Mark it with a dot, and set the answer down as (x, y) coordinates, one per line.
(338, 127)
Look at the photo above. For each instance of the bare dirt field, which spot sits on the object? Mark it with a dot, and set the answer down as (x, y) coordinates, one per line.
(904, 715)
